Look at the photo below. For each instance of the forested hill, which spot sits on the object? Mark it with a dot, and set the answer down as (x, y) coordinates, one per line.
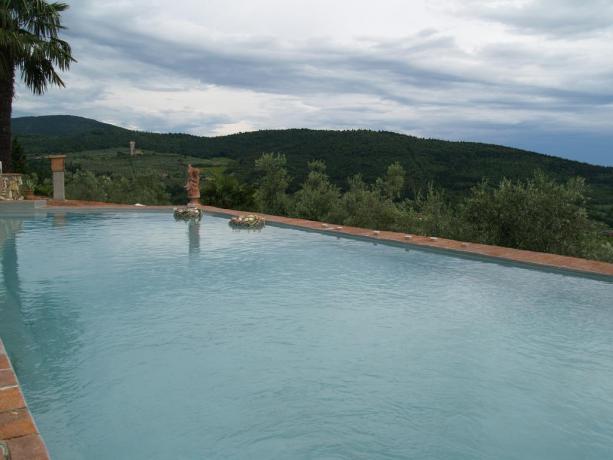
(455, 166)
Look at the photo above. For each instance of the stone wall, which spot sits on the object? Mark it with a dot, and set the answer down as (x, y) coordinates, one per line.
(10, 187)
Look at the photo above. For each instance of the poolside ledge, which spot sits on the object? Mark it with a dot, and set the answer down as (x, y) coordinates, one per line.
(18, 432)
(536, 259)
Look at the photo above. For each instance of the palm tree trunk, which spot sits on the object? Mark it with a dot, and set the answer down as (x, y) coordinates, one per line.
(7, 91)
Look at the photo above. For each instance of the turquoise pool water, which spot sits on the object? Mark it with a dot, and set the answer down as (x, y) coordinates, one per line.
(137, 337)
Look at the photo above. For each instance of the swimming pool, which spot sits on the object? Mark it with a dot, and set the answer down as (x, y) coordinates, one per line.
(137, 337)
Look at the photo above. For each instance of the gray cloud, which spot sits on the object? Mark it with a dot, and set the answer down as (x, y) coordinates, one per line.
(157, 76)
(553, 17)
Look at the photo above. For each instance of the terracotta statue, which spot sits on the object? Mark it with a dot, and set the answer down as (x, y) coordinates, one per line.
(193, 185)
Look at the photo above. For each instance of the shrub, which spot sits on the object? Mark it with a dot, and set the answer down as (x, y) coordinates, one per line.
(365, 206)
(318, 198)
(226, 191)
(537, 214)
(271, 193)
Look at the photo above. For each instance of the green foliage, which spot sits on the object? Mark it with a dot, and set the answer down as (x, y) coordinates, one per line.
(548, 211)
(44, 187)
(19, 162)
(169, 170)
(144, 189)
(455, 167)
(392, 185)
(30, 182)
(84, 185)
(270, 195)
(318, 198)
(435, 215)
(30, 40)
(226, 191)
(538, 214)
(364, 205)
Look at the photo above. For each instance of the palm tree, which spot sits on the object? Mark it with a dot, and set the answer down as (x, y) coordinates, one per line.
(29, 43)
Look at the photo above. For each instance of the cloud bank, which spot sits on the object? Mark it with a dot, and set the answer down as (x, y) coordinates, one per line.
(534, 74)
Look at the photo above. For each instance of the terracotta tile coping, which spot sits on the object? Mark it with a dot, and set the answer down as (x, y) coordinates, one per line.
(18, 431)
(519, 256)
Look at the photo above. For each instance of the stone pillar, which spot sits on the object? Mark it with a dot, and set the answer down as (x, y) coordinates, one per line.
(57, 167)
(132, 148)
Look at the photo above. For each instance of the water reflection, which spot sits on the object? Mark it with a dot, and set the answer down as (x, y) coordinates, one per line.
(193, 232)
(59, 219)
(35, 325)
(17, 336)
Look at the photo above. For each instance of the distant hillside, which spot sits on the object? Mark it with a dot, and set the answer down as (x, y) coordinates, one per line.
(60, 125)
(455, 166)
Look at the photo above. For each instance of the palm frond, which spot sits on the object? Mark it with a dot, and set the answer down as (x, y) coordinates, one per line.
(29, 40)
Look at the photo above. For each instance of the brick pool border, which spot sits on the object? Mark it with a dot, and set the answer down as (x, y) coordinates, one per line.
(519, 256)
(18, 432)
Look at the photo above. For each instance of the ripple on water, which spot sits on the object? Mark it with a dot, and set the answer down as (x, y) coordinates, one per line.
(155, 339)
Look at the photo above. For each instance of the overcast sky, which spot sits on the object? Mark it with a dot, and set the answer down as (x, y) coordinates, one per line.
(535, 74)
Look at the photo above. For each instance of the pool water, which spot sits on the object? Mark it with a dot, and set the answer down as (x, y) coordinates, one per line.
(138, 337)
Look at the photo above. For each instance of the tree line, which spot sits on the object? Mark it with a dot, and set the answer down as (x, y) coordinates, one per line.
(537, 214)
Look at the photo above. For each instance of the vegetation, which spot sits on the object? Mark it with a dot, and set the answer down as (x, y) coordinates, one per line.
(455, 167)
(30, 43)
(271, 196)
(144, 188)
(111, 167)
(318, 198)
(541, 210)
(19, 162)
(537, 214)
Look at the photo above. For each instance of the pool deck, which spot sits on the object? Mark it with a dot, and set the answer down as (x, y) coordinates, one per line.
(18, 431)
(530, 258)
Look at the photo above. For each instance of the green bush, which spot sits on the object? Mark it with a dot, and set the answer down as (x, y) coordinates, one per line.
(228, 192)
(538, 214)
(365, 206)
(84, 185)
(392, 185)
(271, 192)
(144, 189)
(435, 215)
(318, 198)
(19, 162)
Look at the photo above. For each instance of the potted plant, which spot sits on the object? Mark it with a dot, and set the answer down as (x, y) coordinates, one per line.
(27, 187)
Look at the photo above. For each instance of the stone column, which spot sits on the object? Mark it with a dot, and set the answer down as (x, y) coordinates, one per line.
(57, 167)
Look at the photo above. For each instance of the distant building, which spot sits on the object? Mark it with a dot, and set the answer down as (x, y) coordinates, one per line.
(133, 150)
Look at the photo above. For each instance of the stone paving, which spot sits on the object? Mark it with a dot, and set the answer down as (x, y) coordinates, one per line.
(18, 433)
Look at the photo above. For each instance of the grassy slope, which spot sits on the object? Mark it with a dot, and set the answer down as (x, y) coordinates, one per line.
(456, 166)
(118, 161)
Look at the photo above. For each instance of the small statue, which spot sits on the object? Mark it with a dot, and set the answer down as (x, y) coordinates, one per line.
(193, 185)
